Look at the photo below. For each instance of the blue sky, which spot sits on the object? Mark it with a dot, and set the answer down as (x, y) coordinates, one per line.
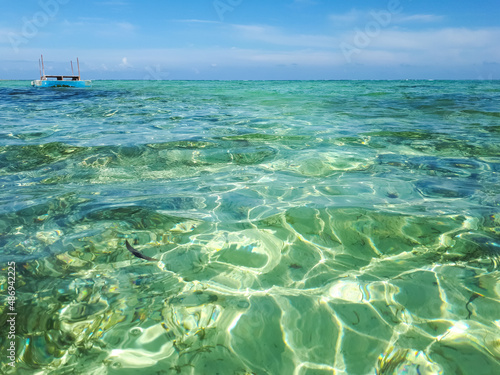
(252, 39)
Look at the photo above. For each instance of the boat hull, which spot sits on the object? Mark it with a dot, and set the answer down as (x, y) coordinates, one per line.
(47, 83)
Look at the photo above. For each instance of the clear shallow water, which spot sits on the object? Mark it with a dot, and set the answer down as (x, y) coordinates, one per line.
(301, 227)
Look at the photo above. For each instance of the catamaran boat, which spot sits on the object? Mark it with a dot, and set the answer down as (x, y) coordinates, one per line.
(60, 80)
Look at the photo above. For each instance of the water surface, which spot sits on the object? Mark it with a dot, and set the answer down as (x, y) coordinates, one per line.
(301, 227)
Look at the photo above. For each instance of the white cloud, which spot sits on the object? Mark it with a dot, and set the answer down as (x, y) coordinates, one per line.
(449, 46)
(263, 46)
(448, 38)
(348, 18)
(273, 35)
(125, 26)
(99, 27)
(198, 21)
(423, 18)
(125, 64)
(355, 16)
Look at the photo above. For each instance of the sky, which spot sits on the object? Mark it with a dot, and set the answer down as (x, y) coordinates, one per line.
(252, 39)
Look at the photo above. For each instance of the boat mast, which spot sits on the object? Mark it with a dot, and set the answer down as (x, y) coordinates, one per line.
(43, 70)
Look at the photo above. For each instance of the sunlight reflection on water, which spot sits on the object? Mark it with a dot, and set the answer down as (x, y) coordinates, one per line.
(300, 227)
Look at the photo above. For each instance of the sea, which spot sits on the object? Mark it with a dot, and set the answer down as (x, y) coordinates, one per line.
(250, 228)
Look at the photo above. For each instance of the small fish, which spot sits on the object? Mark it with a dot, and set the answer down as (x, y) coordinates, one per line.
(138, 254)
(472, 298)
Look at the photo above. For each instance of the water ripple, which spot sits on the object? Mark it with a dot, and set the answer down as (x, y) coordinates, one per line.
(298, 227)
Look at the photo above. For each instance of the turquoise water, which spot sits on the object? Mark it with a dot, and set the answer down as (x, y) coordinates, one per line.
(300, 227)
